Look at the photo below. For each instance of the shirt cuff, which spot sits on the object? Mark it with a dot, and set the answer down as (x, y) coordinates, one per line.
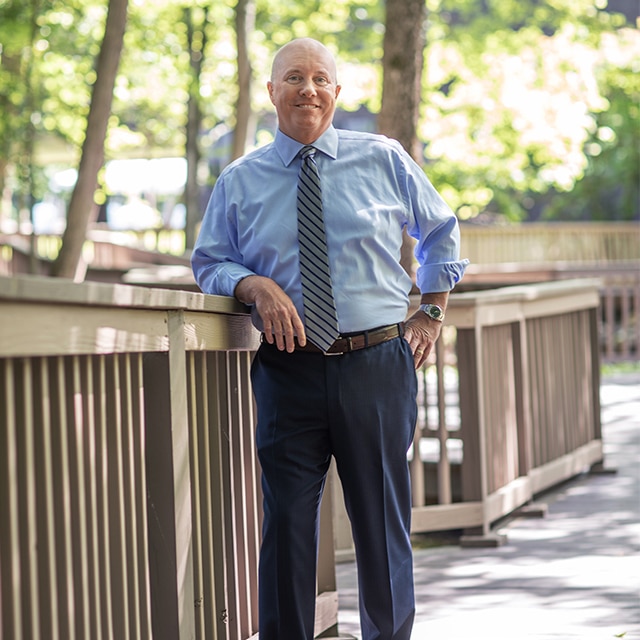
(444, 276)
(222, 279)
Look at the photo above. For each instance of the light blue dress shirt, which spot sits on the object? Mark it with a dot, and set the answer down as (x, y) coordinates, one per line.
(371, 190)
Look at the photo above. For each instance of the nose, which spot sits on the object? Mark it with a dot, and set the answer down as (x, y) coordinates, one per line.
(308, 88)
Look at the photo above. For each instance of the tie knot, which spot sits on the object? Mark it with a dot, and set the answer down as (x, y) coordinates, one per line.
(307, 152)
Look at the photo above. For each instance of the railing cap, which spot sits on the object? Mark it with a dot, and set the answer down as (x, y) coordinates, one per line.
(527, 292)
(63, 291)
(513, 304)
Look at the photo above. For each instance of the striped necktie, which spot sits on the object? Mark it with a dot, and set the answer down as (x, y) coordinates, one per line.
(321, 322)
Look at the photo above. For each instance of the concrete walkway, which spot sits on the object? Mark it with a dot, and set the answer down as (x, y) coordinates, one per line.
(574, 574)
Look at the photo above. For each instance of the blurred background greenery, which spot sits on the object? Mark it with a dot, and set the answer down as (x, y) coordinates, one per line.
(529, 109)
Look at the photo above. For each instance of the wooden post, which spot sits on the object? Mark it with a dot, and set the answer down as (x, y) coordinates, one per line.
(474, 470)
(327, 600)
(469, 416)
(444, 468)
(595, 374)
(523, 401)
(169, 488)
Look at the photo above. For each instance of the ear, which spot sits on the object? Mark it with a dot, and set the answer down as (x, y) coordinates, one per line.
(270, 90)
(338, 88)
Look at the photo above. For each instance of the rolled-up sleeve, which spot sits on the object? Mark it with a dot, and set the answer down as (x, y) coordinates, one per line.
(442, 276)
(435, 227)
(216, 261)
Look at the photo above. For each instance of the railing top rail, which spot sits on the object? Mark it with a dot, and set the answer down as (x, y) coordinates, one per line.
(61, 291)
(49, 316)
(527, 292)
(510, 304)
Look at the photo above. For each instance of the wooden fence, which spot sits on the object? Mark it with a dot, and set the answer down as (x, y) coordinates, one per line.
(500, 255)
(129, 492)
(525, 243)
(129, 489)
(514, 405)
(540, 242)
(619, 287)
(504, 255)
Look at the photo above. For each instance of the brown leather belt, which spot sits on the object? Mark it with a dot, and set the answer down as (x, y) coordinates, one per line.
(353, 341)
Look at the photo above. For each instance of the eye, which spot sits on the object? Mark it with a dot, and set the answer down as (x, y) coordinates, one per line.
(293, 78)
(322, 80)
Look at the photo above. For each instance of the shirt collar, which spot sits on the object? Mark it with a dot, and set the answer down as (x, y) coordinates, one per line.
(288, 148)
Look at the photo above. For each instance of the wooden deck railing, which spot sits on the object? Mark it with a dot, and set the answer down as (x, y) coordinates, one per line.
(511, 404)
(129, 491)
(501, 255)
(619, 320)
(540, 242)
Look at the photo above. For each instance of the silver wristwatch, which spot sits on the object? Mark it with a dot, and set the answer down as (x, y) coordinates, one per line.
(433, 311)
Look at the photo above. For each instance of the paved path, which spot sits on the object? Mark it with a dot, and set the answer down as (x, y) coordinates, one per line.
(574, 574)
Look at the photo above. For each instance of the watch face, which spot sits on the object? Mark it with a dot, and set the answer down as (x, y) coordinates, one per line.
(433, 311)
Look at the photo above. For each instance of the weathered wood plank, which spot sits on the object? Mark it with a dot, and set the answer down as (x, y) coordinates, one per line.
(29, 330)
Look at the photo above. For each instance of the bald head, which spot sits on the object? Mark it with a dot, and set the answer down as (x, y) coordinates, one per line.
(304, 46)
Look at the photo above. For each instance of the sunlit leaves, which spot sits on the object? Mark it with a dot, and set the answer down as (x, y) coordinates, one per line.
(513, 93)
(523, 100)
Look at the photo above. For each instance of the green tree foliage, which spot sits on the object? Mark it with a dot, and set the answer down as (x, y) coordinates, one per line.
(610, 188)
(513, 95)
(47, 52)
(19, 93)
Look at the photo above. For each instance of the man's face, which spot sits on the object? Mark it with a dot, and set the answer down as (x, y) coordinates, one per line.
(303, 90)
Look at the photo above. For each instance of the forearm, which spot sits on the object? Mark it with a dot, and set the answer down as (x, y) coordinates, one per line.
(440, 298)
(249, 288)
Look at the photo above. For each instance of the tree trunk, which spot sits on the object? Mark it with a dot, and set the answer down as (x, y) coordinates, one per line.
(30, 137)
(194, 120)
(245, 20)
(82, 205)
(402, 65)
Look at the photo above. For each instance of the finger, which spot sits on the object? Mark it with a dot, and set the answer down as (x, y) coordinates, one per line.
(279, 336)
(299, 331)
(293, 330)
(289, 337)
(268, 332)
(420, 356)
(411, 338)
(293, 338)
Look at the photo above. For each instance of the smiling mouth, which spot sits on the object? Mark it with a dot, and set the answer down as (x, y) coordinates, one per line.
(308, 106)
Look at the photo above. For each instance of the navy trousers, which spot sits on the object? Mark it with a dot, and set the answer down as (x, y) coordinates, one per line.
(359, 408)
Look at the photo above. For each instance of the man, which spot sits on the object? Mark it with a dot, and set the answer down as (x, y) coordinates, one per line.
(355, 398)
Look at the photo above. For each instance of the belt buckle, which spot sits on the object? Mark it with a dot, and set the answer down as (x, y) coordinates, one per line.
(339, 353)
